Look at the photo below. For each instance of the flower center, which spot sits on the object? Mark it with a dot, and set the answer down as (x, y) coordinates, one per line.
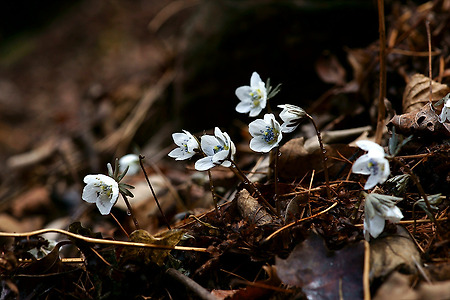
(105, 190)
(374, 167)
(256, 97)
(219, 148)
(270, 135)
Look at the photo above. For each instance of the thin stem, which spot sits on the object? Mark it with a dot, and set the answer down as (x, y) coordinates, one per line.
(382, 91)
(135, 221)
(120, 225)
(211, 187)
(252, 186)
(324, 157)
(421, 191)
(275, 177)
(427, 25)
(141, 157)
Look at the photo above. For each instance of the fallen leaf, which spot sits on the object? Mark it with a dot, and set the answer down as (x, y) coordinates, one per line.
(251, 210)
(392, 252)
(167, 238)
(323, 274)
(417, 92)
(330, 70)
(420, 123)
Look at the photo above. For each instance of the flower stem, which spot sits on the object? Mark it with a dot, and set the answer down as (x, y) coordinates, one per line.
(382, 86)
(135, 221)
(252, 186)
(324, 157)
(421, 191)
(275, 176)
(120, 225)
(211, 186)
(141, 157)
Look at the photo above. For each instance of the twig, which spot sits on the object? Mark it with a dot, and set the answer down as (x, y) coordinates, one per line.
(101, 241)
(120, 225)
(275, 177)
(427, 25)
(193, 286)
(382, 91)
(213, 193)
(366, 280)
(324, 157)
(141, 158)
(297, 222)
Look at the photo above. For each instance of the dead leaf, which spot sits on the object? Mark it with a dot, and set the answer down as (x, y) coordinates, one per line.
(421, 123)
(250, 209)
(398, 286)
(330, 70)
(167, 238)
(417, 92)
(393, 252)
(323, 274)
(295, 161)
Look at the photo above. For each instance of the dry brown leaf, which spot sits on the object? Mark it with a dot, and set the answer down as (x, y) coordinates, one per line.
(392, 252)
(330, 70)
(253, 211)
(295, 161)
(417, 92)
(323, 274)
(398, 287)
(422, 123)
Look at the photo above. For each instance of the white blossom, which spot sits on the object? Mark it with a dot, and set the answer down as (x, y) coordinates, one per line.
(102, 190)
(372, 163)
(187, 145)
(266, 134)
(445, 113)
(218, 150)
(131, 161)
(253, 98)
(377, 209)
(291, 115)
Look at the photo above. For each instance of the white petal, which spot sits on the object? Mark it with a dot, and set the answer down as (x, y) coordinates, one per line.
(220, 156)
(104, 207)
(258, 144)
(375, 225)
(90, 193)
(204, 164)
(208, 143)
(243, 93)
(256, 126)
(288, 127)
(371, 147)
(394, 214)
(244, 107)
(360, 166)
(371, 181)
(255, 80)
(255, 111)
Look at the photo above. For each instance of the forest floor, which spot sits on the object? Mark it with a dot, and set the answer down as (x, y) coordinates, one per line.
(106, 79)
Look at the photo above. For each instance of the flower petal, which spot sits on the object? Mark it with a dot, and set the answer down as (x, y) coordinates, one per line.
(360, 166)
(243, 93)
(204, 164)
(256, 127)
(90, 193)
(104, 207)
(371, 181)
(375, 225)
(244, 107)
(370, 147)
(255, 80)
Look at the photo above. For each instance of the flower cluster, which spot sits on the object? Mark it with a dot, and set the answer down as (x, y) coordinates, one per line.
(266, 133)
(218, 150)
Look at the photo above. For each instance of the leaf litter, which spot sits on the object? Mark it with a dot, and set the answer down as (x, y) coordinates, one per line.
(241, 251)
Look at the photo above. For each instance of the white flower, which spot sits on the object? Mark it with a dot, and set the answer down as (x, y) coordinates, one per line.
(445, 113)
(372, 163)
(131, 161)
(377, 209)
(218, 149)
(102, 190)
(187, 145)
(266, 133)
(253, 98)
(292, 116)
